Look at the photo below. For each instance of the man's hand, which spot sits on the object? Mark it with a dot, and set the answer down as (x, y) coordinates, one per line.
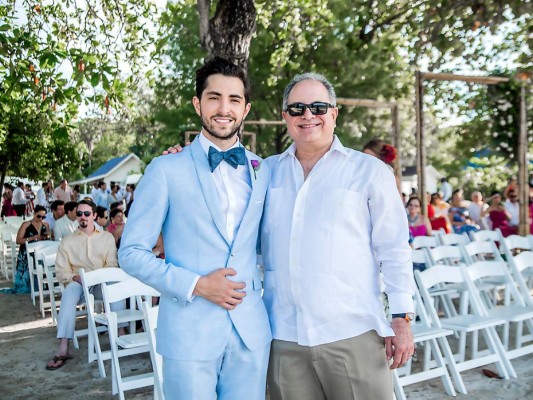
(401, 346)
(175, 149)
(218, 289)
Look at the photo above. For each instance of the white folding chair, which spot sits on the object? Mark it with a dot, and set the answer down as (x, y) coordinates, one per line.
(522, 270)
(44, 286)
(465, 323)
(513, 310)
(55, 288)
(424, 242)
(514, 244)
(112, 294)
(97, 321)
(14, 221)
(452, 239)
(8, 250)
(35, 270)
(435, 343)
(484, 235)
(150, 318)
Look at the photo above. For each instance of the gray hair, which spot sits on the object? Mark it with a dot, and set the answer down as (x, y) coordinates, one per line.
(309, 76)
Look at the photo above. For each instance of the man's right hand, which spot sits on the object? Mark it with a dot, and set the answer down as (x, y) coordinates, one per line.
(218, 289)
(175, 149)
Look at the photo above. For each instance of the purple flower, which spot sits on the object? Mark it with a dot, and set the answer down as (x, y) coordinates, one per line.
(256, 165)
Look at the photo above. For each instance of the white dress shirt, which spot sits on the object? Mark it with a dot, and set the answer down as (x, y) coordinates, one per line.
(233, 188)
(19, 197)
(324, 240)
(64, 226)
(41, 199)
(514, 210)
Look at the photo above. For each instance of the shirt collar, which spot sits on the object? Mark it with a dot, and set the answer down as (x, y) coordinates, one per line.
(335, 146)
(206, 143)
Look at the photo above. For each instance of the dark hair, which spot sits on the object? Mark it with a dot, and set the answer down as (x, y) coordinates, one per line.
(88, 203)
(8, 186)
(100, 211)
(77, 188)
(219, 65)
(411, 199)
(56, 203)
(20, 184)
(114, 212)
(38, 208)
(114, 205)
(384, 151)
(100, 184)
(70, 206)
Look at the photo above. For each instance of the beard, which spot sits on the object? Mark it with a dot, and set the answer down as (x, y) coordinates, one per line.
(83, 224)
(209, 128)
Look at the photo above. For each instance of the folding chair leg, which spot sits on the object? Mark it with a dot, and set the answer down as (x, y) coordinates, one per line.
(504, 366)
(452, 368)
(446, 381)
(399, 394)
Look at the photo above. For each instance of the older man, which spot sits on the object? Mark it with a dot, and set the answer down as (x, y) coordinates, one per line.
(332, 223)
(63, 192)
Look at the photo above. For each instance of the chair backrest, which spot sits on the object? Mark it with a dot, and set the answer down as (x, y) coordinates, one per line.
(481, 270)
(150, 317)
(515, 242)
(14, 221)
(519, 264)
(452, 239)
(482, 251)
(484, 235)
(419, 256)
(131, 287)
(449, 255)
(424, 242)
(103, 275)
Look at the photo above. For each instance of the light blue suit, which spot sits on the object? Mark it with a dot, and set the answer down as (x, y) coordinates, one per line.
(177, 196)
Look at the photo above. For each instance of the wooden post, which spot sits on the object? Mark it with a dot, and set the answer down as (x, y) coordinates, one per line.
(396, 141)
(523, 196)
(420, 150)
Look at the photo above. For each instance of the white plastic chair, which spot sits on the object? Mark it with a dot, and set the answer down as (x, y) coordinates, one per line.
(55, 288)
(112, 294)
(35, 270)
(484, 235)
(150, 319)
(466, 322)
(522, 270)
(435, 343)
(513, 310)
(14, 221)
(8, 250)
(452, 239)
(90, 279)
(42, 280)
(424, 242)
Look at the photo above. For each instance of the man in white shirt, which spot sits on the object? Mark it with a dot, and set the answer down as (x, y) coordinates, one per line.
(68, 224)
(94, 191)
(207, 202)
(101, 195)
(41, 196)
(19, 199)
(57, 210)
(331, 224)
(513, 206)
(63, 192)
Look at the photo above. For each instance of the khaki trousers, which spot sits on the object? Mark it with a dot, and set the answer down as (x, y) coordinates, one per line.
(354, 368)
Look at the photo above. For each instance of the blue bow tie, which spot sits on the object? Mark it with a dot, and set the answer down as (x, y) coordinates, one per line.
(233, 157)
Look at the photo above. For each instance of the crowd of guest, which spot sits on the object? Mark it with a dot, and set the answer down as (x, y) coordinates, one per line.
(459, 215)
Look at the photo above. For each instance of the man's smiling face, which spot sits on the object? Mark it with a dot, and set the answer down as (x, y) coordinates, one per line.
(308, 128)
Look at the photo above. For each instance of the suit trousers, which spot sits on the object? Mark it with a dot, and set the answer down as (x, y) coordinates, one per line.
(349, 369)
(71, 297)
(237, 374)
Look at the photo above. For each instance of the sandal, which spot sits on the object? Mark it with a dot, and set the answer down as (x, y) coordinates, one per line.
(63, 360)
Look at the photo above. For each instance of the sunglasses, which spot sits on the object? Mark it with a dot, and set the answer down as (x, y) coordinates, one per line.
(86, 213)
(316, 108)
(40, 216)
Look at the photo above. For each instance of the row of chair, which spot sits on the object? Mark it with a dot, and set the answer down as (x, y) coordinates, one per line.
(470, 287)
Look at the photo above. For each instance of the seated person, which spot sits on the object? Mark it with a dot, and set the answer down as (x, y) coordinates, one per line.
(86, 248)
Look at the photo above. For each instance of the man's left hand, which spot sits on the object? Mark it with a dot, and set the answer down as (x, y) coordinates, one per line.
(401, 346)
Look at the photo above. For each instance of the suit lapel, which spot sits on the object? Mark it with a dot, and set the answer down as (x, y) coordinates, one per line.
(208, 186)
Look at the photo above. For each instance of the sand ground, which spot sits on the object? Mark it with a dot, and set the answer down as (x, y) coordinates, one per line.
(27, 342)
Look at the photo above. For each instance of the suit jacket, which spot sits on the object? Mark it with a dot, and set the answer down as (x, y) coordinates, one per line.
(177, 196)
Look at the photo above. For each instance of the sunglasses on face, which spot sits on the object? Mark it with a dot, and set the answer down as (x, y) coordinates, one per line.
(86, 213)
(40, 216)
(316, 108)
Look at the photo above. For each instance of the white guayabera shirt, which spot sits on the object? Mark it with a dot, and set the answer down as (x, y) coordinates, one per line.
(323, 241)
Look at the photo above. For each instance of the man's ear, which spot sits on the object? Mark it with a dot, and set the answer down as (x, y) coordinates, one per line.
(196, 104)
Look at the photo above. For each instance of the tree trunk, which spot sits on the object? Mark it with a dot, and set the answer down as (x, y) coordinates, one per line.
(229, 33)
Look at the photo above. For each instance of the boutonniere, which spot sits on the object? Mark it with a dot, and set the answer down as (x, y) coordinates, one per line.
(256, 166)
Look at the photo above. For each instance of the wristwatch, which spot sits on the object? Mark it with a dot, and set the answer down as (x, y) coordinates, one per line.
(407, 316)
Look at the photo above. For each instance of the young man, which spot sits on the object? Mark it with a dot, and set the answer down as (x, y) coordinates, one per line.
(207, 201)
(86, 248)
(68, 224)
